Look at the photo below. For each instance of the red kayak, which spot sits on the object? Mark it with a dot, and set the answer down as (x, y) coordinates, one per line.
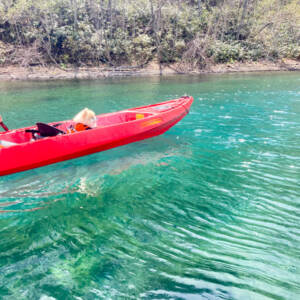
(44, 144)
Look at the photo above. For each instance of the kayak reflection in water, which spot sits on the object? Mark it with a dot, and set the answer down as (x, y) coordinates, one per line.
(85, 119)
(3, 125)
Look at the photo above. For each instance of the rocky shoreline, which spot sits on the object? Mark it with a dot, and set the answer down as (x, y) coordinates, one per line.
(56, 73)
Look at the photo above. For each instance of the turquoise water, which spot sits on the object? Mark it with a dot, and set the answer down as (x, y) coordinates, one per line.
(209, 210)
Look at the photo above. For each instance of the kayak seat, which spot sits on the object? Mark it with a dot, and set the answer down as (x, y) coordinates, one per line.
(46, 130)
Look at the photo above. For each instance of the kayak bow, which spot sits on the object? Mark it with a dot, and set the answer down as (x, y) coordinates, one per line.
(20, 152)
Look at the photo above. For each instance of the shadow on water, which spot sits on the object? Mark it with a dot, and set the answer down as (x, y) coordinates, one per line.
(38, 188)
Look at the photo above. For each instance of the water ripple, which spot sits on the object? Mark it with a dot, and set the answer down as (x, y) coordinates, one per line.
(210, 210)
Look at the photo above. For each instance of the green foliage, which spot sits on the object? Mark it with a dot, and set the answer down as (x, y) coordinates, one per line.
(89, 32)
(290, 51)
(222, 52)
(141, 49)
(2, 53)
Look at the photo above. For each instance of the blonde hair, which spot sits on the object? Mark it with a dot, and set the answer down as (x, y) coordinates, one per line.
(86, 117)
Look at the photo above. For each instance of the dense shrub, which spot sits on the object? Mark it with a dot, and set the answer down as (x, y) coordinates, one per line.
(222, 52)
(118, 32)
(290, 51)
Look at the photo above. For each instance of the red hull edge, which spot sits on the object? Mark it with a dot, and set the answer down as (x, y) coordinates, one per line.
(113, 130)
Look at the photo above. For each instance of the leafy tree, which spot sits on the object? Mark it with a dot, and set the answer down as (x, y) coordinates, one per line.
(186, 33)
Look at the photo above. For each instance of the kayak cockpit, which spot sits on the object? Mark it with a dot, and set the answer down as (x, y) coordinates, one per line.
(26, 135)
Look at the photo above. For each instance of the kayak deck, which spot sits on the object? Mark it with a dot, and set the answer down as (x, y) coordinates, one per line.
(20, 136)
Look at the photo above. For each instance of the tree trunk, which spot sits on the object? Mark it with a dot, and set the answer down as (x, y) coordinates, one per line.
(199, 7)
(156, 25)
(245, 4)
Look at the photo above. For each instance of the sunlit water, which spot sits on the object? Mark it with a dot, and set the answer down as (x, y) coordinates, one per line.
(209, 210)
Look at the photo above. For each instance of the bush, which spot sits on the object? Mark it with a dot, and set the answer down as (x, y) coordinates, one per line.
(254, 50)
(222, 52)
(290, 51)
(135, 32)
(140, 50)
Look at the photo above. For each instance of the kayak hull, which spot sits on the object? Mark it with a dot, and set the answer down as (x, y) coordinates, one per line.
(130, 126)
